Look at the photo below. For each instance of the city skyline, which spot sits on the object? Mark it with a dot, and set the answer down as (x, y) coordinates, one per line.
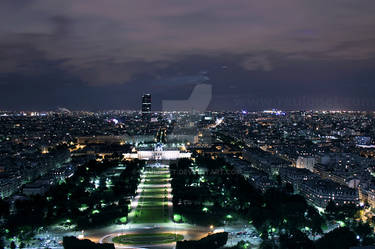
(269, 179)
(164, 124)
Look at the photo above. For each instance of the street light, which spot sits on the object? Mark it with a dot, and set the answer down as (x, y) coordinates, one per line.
(175, 232)
(82, 235)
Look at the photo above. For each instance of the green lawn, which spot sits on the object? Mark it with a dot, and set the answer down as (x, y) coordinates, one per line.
(153, 202)
(158, 193)
(148, 238)
(151, 215)
(152, 198)
(153, 176)
(155, 181)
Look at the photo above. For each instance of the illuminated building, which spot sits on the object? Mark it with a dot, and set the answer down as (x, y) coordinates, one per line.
(146, 104)
(157, 153)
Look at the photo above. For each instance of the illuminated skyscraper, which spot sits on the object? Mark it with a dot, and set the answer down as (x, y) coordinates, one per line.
(146, 104)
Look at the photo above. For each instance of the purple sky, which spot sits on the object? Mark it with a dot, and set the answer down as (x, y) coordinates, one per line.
(96, 54)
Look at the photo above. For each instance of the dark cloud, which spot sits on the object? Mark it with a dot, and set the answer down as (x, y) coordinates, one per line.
(122, 44)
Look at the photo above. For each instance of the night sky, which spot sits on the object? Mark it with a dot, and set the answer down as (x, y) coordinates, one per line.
(99, 55)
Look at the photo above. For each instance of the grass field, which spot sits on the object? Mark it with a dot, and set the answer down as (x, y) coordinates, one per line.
(156, 181)
(152, 215)
(153, 201)
(147, 239)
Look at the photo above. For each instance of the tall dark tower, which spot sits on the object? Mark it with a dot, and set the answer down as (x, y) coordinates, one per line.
(146, 104)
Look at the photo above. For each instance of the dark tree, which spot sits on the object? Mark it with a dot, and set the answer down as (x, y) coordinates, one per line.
(213, 241)
(365, 233)
(295, 240)
(4, 208)
(289, 188)
(74, 243)
(341, 212)
(2, 244)
(340, 238)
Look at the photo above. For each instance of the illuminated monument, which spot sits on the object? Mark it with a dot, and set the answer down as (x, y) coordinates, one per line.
(159, 152)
